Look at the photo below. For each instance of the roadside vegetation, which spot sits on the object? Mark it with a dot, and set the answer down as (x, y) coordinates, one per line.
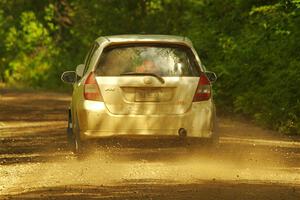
(253, 46)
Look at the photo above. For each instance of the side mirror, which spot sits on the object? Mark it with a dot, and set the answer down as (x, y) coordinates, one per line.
(79, 70)
(68, 77)
(212, 77)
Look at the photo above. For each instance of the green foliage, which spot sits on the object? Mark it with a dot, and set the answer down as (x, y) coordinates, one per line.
(29, 48)
(252, 45)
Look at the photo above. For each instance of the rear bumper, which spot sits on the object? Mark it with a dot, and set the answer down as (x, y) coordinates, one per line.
(96, 121)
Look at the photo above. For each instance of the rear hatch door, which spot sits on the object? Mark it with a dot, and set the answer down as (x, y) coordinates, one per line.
(147, 79)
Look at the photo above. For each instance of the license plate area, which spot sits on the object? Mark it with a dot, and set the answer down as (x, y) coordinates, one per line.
(147, 95)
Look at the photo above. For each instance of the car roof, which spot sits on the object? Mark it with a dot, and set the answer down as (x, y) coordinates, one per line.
(145, 38)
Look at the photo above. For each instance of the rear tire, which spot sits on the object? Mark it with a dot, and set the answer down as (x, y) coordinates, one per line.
(214, 140)
(77, 144)
(70, 129)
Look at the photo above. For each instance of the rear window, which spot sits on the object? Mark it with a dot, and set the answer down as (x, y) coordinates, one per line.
(163, 60)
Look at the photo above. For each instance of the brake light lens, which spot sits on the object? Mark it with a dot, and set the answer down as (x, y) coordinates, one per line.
(91, 89)
(203, 91)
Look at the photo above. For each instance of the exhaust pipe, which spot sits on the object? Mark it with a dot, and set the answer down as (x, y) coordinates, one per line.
(182, 132)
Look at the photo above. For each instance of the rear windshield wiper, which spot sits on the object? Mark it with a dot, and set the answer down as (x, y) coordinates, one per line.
(143, 74)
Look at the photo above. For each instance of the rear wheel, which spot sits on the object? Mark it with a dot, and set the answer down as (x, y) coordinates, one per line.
(214, 140)
(70, 129)
(77, 144)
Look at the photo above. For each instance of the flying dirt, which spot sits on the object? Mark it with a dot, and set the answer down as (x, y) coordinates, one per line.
(37, 162)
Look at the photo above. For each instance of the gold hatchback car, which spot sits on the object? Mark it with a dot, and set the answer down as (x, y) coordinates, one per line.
(141, 85)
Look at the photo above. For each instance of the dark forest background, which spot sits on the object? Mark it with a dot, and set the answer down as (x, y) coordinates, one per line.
(253, 46)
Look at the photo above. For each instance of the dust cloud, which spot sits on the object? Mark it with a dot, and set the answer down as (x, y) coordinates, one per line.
(162, 165)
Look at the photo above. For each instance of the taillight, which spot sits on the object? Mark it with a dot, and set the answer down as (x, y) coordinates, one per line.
(91, 89)
(203, 91)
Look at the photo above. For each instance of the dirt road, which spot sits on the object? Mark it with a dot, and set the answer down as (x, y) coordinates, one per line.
(36, 162)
